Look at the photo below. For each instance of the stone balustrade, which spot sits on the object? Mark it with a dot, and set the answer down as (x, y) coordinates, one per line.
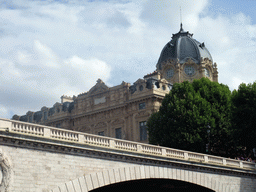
(47, 132)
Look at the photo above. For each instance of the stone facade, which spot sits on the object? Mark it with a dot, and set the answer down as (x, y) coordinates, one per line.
(119, 111)
(122, 111)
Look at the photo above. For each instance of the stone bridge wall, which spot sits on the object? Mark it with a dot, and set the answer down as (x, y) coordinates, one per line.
(32, 161)
(36, 170)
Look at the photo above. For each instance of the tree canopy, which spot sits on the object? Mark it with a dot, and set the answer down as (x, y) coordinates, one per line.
(244, 116)
(192, 116)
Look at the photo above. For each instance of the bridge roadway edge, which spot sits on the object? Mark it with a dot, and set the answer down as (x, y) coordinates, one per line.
(64, 147)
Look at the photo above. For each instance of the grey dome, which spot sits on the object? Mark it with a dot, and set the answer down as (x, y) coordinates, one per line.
(182, 46)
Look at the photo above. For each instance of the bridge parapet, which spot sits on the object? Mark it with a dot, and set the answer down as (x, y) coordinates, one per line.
(41, 131)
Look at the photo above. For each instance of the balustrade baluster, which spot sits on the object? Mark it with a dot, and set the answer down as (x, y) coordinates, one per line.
(14, 126)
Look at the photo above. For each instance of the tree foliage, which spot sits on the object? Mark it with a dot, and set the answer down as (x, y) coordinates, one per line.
(244, 116)
(193, 115)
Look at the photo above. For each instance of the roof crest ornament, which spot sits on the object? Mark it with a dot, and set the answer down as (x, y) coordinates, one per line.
(181, 29)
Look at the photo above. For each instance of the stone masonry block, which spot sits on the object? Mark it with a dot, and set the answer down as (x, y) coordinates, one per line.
(161, 172)
(137, 172)
(111, 176)
(178, 177)
(100, 179)
(156, 170)
(82, 183)
(127, 173)
(198, 178)
(95, 181)
(217, 185)
(122, 175)
(88, 182)
(147, 175)
(182, 175)
(202, 179)
(194, 174)
(106, 177)
(185, 175)
(165, 173)
(56, 190)
(152, 172)
(117, 175)
(132, 171)
(174, 173)
(70, 187)
(63, 188)
(190, 176)
(142, 172)
(169, 173)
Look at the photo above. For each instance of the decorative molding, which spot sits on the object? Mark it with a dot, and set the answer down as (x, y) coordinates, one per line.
(117, 121)
(142, 114)
(100, 125)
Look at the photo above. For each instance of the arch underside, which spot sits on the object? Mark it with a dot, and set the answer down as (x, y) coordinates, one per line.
(126, 175)
(156, 185)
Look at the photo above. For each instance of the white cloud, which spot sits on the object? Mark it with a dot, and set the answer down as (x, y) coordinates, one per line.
(4, 112)
(236, 82)
(46, 55)
(46, 74)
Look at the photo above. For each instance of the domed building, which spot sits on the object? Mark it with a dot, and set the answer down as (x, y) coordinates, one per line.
(123, 110)
(184, 59)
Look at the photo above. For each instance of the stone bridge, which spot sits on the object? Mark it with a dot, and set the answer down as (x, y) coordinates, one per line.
(47, 159)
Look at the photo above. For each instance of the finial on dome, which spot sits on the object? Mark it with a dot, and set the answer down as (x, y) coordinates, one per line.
(181, 29)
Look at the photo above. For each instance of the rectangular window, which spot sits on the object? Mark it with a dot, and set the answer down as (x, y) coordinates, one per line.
(58, 125)
(142, 105)
(118, 133)
(143, 131)
(101, 133)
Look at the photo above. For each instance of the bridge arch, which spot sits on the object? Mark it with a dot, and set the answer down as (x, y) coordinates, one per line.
(92, 181)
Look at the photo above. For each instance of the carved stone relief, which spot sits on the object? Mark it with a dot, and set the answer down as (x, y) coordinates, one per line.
(5, 172)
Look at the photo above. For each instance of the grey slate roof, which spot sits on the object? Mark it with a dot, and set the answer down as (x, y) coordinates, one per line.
(182, 46)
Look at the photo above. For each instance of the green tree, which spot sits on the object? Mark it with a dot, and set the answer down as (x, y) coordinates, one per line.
(193, 115)
(244, 116)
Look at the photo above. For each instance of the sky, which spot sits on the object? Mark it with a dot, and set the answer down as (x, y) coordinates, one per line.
(51, 48)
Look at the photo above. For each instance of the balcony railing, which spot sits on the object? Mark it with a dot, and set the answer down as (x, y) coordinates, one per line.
(42, 131)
